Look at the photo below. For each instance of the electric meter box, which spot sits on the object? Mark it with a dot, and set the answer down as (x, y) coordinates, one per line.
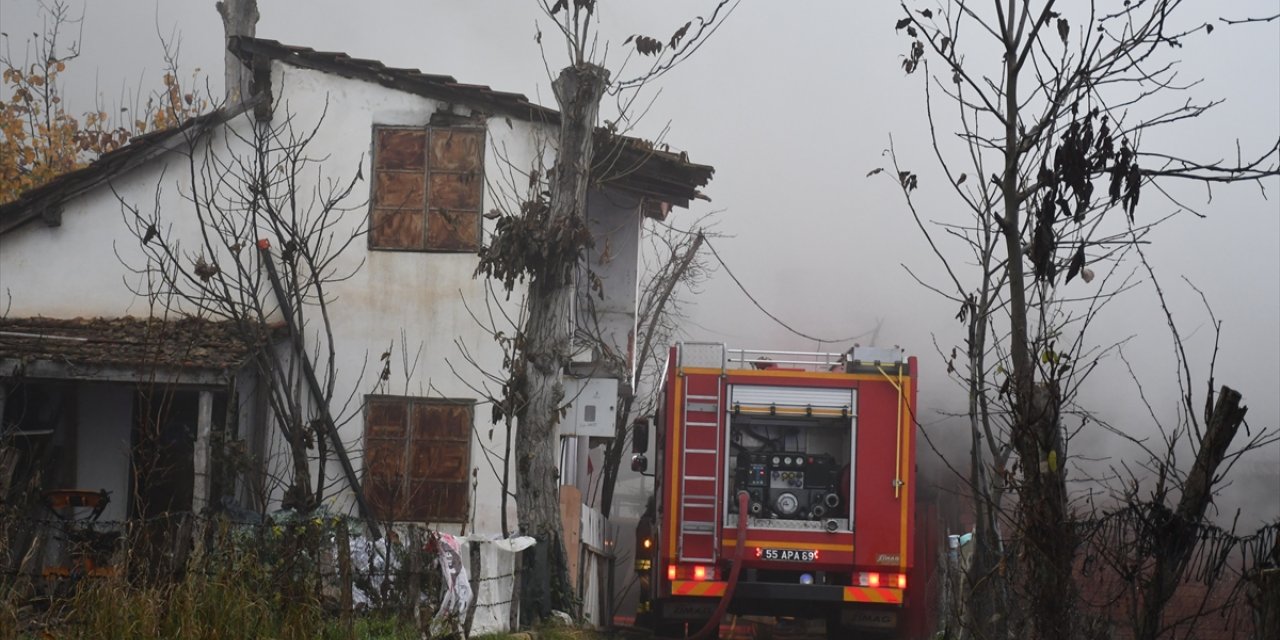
(593, 404)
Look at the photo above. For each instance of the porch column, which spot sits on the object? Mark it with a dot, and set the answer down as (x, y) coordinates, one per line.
(200, 457)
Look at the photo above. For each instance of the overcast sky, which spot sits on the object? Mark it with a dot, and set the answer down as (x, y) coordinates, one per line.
(793, 103)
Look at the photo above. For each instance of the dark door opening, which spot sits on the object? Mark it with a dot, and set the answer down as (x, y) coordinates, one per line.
(162, 472)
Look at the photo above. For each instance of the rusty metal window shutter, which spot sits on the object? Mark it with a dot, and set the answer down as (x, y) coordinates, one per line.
(428, 188)
(418, 468)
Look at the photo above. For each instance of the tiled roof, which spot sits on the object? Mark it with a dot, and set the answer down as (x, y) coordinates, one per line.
(186, 343)
(439, 87)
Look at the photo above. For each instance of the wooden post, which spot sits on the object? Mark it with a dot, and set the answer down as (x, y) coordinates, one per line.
(476, 574)
(200, 457)
(517, 585)
(608, 601)
(344, 580)
(414, 591)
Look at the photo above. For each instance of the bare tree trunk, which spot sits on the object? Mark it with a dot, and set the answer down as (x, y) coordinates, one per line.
(1047, 533)
(1042, 492)
(547, 346)
(1177, 540)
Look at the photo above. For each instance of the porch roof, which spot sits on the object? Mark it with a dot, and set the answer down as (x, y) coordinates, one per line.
(128, 342)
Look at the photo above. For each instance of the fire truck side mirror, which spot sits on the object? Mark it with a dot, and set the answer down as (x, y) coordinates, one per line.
(639, 463)
(640, 436)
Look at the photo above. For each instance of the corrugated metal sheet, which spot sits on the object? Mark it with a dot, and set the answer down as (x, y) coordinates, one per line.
(764, 396)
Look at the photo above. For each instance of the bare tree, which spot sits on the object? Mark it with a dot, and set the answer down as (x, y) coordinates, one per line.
(544, 246)
(1037, 134)
(269, 231)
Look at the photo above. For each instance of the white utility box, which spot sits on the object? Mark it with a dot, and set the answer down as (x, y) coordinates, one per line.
(593, 404)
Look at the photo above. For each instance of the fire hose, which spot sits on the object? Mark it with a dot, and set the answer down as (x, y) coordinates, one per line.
(713, 625)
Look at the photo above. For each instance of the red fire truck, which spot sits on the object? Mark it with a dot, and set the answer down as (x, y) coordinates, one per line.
(798, 468)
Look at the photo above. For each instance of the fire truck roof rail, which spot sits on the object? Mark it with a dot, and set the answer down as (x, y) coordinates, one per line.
(769, 359)
(715, 355)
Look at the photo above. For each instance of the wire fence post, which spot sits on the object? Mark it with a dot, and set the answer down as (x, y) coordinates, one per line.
(343, 543)
(414, 590)
(608, 601)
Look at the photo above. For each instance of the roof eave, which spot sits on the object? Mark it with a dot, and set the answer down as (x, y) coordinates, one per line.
(45, 201)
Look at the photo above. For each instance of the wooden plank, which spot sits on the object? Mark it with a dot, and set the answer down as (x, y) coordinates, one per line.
(571, 517)
(385, 418)
(441, 420)
(439, 461)
(396, 229)
(457, 149)
(400, 149)
(453, 230)
(436, 501)
(399, 190)
(383, 457)
(454, 191)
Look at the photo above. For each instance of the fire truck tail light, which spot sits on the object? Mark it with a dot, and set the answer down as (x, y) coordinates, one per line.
(759, 552)
(671, 573)
(893, 580)
(699, 573)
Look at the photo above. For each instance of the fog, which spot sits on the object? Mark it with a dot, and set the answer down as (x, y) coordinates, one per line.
(794, 104)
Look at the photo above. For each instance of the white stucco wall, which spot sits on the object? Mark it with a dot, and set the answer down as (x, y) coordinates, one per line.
(610, 316)
(416, 303)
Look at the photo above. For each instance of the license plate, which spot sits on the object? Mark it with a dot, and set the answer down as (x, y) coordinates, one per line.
(790, 555)
(869, 618)
(684, 610)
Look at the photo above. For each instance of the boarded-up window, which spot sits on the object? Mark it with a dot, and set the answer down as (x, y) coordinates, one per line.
(417, 458)
(428, 188)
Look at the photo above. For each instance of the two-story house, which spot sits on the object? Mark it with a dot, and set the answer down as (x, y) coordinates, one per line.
(115, 343)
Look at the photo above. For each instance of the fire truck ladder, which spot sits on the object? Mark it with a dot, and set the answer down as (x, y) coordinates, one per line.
(700, 486)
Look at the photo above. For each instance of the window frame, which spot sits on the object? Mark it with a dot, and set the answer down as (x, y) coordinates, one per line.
(405, 508)
(428, 131)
